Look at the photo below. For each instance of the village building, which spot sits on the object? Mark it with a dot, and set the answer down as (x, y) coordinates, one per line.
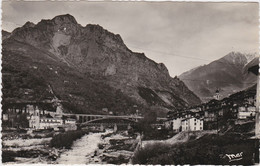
(238, 106)
(168, 124)
(191, 124)
(176, 124)
(209, 115)
(105, 110)
(185, 122)
(5, 117)
(46, 119)
(217, 95)
(40, 121)
(70, 121)
(15, 115)
(45, 123)
(246, 112)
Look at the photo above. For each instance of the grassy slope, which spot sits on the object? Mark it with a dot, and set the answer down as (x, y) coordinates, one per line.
(209, 149)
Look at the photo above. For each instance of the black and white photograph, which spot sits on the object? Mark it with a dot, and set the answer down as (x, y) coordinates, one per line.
(150, 83)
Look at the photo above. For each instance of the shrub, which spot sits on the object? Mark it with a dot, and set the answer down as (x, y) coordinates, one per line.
(8, 156)
(37, 136)
(205, 150)
(66, 139)
(101, 146)
(117, 160)
(144, 155)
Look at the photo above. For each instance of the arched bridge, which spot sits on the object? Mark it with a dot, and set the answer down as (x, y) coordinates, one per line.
(109, 122)
(109, 119)
(82, 118)
(86, 119)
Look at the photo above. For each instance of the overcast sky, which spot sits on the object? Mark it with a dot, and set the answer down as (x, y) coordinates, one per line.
(167, 32)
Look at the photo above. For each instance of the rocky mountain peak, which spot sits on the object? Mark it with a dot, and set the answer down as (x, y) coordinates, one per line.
(233, 56)
(67, 18)
(65, 29)
(163, 68)
(101, 56)
(238, 58)
(28, 24)
(229, 74)
(250, 57)
(101, 33)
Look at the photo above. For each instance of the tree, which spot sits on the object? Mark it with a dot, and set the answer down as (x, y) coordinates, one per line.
(21, 120)
(150, 117)
(144, 126)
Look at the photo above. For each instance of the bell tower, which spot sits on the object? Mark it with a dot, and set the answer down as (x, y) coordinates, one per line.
(217, 95)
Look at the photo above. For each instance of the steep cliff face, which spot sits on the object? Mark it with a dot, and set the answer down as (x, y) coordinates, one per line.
(93, 52)
(228, 74)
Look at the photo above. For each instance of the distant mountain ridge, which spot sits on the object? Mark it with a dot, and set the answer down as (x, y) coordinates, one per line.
(228, 74)
(89, 67)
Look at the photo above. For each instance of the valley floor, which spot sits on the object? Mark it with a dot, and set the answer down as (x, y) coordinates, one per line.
(93, 148)
(187, 147)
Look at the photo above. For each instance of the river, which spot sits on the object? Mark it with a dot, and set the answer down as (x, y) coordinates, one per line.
(81, 150)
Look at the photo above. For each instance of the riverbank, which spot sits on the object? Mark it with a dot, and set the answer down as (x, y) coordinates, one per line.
(30, 148)
(81, 150)
(92, 148)
(100, 148)
(117, 148)
(28, 151)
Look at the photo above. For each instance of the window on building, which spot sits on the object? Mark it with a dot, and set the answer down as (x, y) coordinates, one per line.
(201, 128)
(195, 123)
(194, 128)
